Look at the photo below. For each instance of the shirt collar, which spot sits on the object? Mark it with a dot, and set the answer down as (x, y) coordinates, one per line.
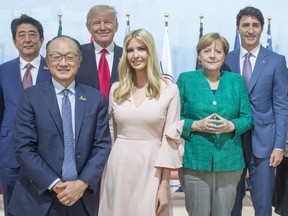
(254, 52)
(58, 87)
(109, 48)
(35, 62)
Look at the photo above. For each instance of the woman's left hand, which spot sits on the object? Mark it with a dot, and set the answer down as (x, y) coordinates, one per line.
(162, 200)
(223, 125)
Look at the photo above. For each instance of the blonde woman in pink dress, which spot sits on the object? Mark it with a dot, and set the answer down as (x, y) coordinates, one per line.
(146, 128)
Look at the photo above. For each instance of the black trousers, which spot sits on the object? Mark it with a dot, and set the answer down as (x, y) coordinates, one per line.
(280, 198)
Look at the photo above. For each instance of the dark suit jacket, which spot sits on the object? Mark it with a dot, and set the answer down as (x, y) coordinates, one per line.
(39, 147)
(10, 91)
(88, 72)
(268, 100)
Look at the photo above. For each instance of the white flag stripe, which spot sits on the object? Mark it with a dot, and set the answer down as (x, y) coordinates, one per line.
(166, 65)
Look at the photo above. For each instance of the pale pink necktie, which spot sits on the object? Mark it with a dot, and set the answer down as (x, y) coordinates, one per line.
(247, 69)
(104, 74)
(27, 79)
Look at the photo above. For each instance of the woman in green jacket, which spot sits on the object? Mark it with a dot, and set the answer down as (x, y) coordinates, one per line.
(216, 111)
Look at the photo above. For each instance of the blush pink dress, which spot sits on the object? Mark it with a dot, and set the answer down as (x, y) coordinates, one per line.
(146, 138)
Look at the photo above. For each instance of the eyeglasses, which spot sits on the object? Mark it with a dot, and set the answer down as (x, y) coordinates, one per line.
(72, 57)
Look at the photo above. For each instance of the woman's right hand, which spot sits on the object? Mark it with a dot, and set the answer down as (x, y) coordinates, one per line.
(207, 125)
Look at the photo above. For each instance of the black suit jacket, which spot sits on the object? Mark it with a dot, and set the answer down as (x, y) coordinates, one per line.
(88, 72)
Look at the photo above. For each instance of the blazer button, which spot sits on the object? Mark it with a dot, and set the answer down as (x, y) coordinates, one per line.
(214, 102)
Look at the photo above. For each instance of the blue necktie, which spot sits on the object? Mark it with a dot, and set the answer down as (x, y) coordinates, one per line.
(69, 171)
(247, 69)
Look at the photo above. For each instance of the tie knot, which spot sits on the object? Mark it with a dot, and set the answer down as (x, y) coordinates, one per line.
(28, 66)
(247, 55)
(104, 51)
(66, 92)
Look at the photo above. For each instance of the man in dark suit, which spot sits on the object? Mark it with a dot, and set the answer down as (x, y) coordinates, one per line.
(267, 90)
(102, 24)
(28, 38)
(61, 161)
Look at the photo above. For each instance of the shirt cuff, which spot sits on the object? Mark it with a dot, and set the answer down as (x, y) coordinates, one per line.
(53, 183)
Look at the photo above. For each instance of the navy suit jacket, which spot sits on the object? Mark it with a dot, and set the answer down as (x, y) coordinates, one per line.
(268, 99)
(39, 147)
(88, 72)
(10, 91)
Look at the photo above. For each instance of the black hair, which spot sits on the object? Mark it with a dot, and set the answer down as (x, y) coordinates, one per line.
(250, 11)
(24, 19)
(68, 37)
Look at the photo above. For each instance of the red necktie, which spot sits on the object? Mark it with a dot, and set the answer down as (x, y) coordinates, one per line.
(104, 74)
(27, 79)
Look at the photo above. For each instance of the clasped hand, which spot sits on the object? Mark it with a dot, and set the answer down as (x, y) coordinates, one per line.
(69, 192)
(213, 124)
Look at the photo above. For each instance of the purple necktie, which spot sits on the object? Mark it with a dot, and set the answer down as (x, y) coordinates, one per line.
(27, 79)
(247, 69)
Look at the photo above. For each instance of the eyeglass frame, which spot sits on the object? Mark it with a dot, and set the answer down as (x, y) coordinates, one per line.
(64, 56)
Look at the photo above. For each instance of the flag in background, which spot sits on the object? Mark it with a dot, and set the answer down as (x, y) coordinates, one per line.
(127, 29)
(269, 39)
(165, 63)
(198, 64)
(127, 23)
(237, 42)
(60, 25)
(59, 31)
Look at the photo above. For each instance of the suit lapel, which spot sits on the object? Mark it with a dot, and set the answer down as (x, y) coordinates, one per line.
(116, 59)
(80, 107)
(16, 76)
(90, 59)
(258, 68)
(49, 97)
(43, 72)
(235, 61)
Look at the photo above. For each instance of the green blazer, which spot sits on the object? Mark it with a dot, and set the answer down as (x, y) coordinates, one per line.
(214, 152)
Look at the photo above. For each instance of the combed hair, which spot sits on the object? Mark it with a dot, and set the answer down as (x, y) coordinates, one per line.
(209, 38)
(79, 51)
(24, 19)
(127, 73)
(250, 11)
(102, 9)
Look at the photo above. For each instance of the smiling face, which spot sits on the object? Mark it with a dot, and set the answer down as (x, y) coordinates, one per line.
(102, 28)
(63, 59)
(212, 57)
(250, 31)
(27, 41)
(137, 55)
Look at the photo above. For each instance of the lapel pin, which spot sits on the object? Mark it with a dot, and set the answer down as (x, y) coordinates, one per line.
(45, 68)
(82, 98)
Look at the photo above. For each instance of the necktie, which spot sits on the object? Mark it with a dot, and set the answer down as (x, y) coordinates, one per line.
(69, 171)
(104, 74)
(27, 79)
(247, 69)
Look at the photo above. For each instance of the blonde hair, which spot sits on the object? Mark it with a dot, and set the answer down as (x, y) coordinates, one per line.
(102, 9)
(127, 73)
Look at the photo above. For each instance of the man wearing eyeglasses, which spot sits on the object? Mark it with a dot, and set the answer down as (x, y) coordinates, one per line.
(62, 140)
(16, 75)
